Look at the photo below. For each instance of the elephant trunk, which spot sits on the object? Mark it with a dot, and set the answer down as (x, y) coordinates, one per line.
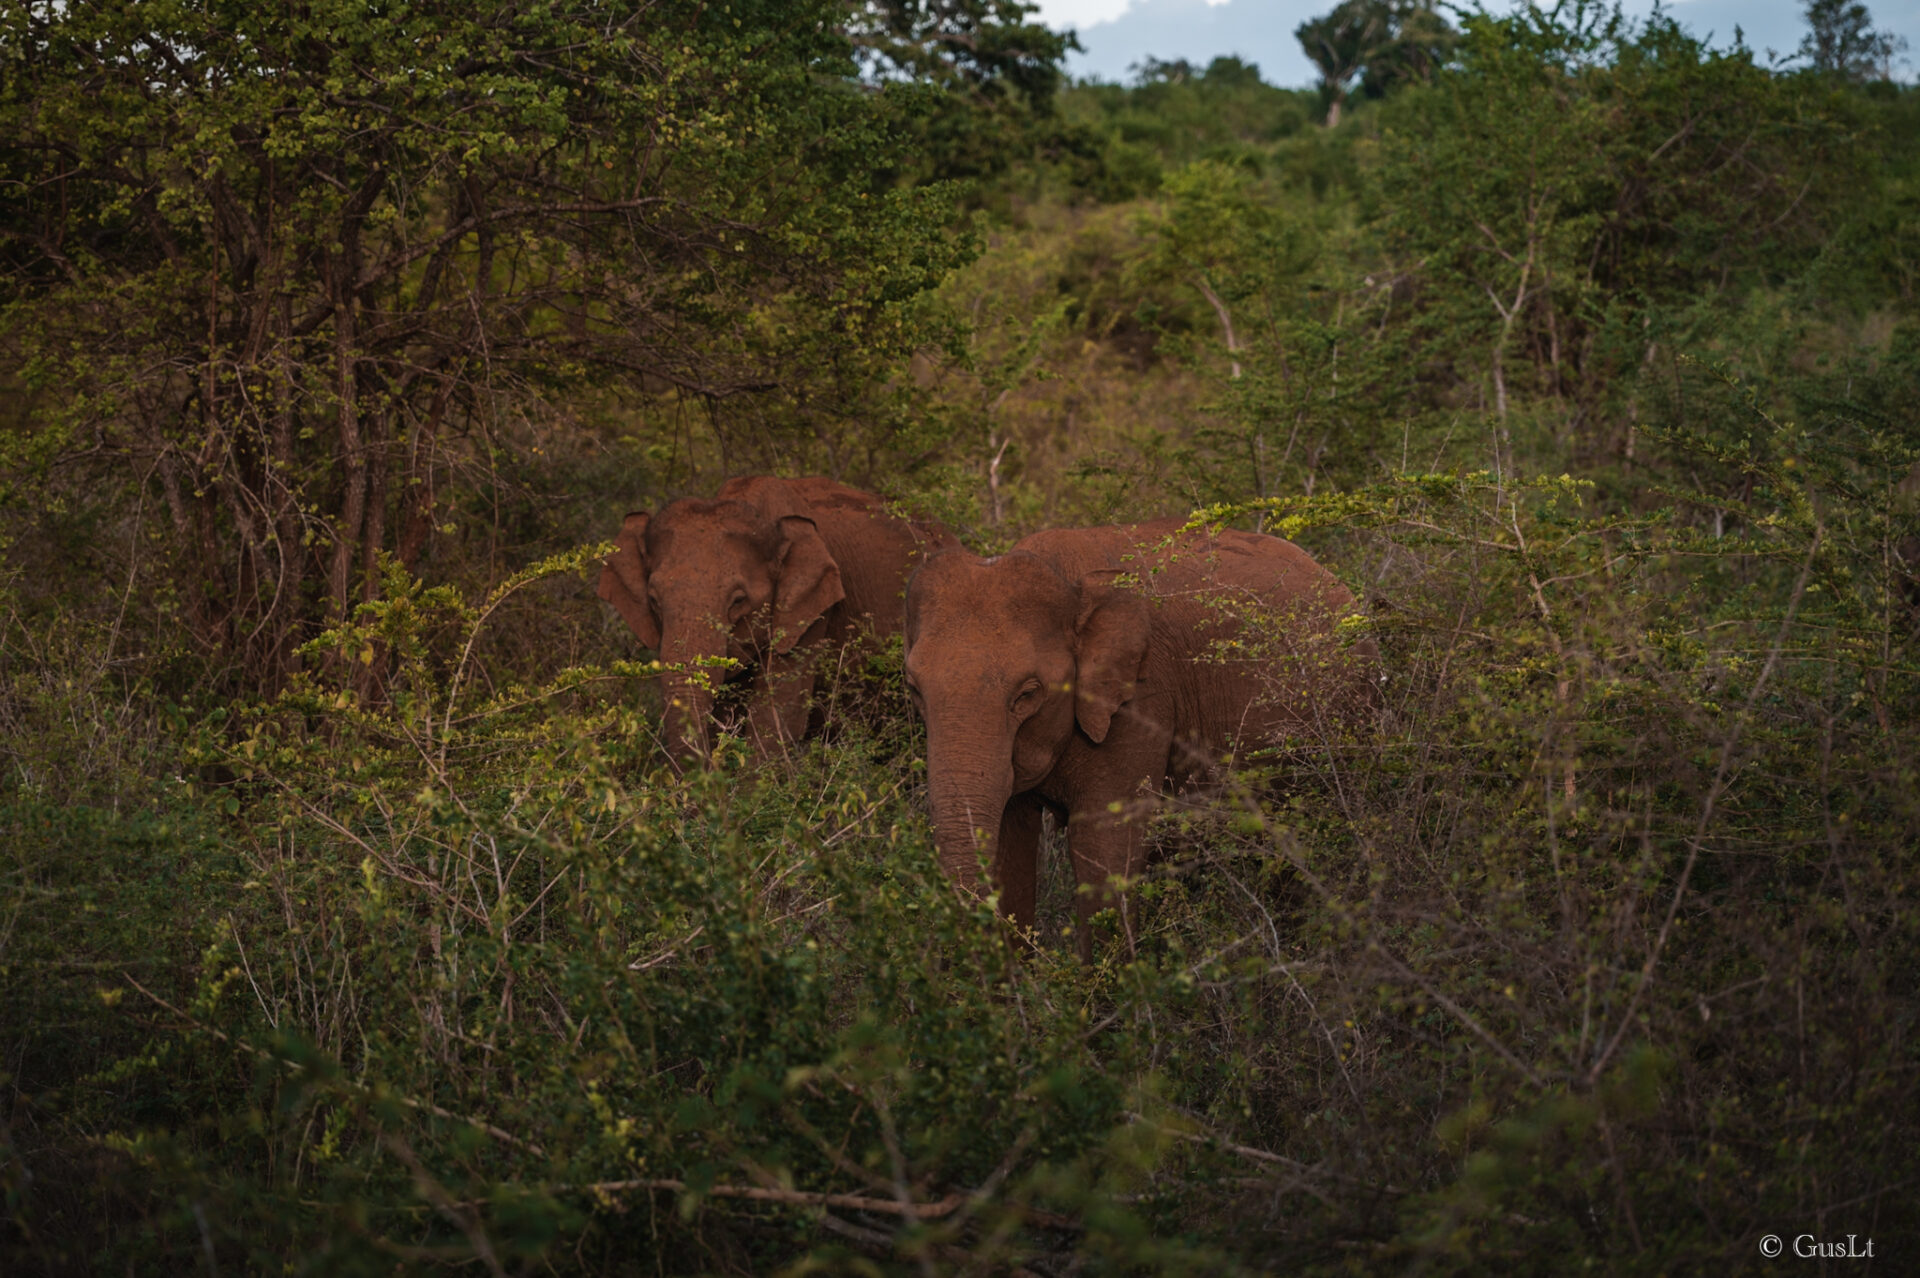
(967, 800)
(688, 699)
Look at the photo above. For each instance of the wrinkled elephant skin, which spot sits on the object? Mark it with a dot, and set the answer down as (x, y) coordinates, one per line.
(772, 573)
(1091, 667)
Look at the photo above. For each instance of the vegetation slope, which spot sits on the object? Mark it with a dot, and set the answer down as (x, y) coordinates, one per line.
(352, 918)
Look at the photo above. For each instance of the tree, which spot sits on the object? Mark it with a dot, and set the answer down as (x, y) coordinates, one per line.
(990, 71)
(1565, 179)
(985, 47)
(1422, 43)
(1339, 44)
(1392, 41)
(298, 275)
(1264, 274)
(1152, 70)
(1842, 42)
(1218, 238)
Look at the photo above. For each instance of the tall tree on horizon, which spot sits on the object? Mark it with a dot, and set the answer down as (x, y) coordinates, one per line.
(1390, 42)
(1841, 41)
(1339, 43)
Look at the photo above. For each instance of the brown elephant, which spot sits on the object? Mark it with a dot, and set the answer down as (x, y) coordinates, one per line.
(773, 573)
(1091, 666)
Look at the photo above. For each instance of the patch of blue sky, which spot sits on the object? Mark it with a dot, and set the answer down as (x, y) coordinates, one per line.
(1118, 34)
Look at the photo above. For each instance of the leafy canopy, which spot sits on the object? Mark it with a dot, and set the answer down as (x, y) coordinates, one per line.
(318, 270)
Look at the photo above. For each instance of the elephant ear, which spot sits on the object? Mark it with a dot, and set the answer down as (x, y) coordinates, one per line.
(1110, 647)
(623, 579)
(809, 582)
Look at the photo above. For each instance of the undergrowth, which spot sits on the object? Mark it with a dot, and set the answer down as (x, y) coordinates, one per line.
(1595, 948)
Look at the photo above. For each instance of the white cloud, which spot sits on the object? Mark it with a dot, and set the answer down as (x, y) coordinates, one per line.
(1081, 13)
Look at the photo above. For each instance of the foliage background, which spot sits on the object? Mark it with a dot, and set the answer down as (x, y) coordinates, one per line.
(351, 917)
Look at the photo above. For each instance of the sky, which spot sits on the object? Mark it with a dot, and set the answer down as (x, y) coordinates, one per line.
(1119, 33)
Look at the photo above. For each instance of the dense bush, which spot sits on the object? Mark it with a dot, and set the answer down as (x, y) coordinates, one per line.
(409, 949)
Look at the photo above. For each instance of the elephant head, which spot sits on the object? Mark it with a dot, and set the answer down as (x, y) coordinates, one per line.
(707, 579)
(1007, 662)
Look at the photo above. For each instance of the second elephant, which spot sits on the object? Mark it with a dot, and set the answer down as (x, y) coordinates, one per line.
(773, 573)
(1089, 667)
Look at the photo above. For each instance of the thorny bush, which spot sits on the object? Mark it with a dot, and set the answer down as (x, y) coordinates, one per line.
(1596, 947)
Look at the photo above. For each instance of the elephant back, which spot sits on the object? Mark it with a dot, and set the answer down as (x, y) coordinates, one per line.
(876, 549)
(1236, 587)
(1168, 561)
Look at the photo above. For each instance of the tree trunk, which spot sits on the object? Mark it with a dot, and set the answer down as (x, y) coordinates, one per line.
(416, 527)
(375, 532)
(353, 460)
(277, 490)
(1226, 322)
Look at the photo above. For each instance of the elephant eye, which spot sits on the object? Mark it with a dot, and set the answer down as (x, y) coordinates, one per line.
(1027, 697)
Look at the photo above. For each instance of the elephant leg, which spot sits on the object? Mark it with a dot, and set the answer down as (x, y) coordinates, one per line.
(1103, 846)
(1016, 858)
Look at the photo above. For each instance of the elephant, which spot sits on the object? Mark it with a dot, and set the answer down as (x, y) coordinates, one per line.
(773, 573)
(1089, 667)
